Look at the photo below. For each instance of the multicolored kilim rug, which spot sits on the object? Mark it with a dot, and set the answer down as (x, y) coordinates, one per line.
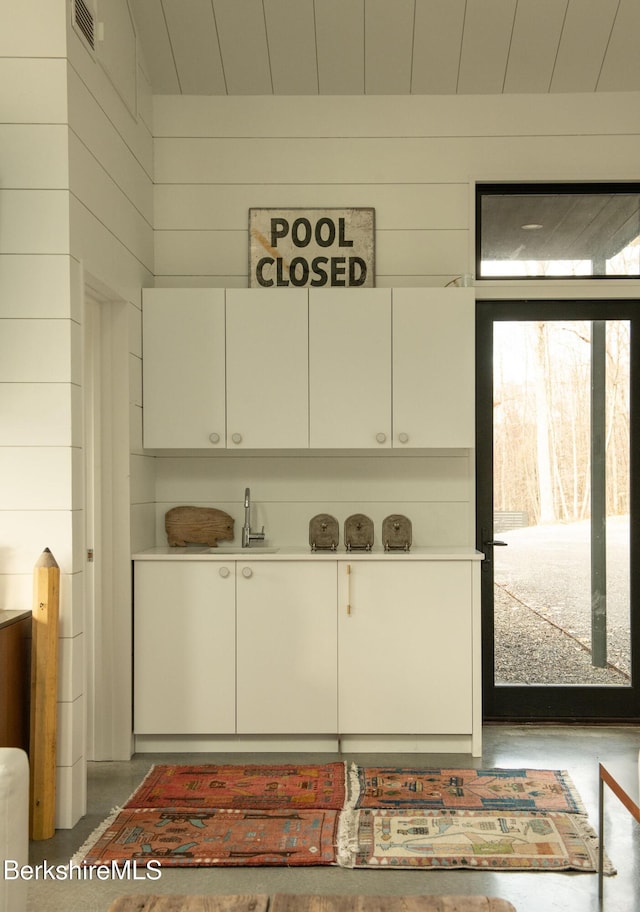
(217, 837)
(468, 789)
(314, 785)
(522, 840)
(376, 817)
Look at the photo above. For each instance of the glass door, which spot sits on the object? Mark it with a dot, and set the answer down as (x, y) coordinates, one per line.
(557, 508)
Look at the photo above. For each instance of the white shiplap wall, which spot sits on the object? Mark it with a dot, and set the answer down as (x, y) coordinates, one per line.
(433, 490)
(110, 155)
(75, 203)
(40, 430)
(415, 159)
(111, 165)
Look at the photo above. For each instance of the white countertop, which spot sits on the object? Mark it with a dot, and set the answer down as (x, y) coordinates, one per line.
(233, 553)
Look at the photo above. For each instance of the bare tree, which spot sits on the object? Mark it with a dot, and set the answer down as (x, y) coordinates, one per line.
(547, 512)
(542, 419)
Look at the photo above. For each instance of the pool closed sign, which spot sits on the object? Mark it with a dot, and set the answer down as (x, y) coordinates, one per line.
(311, 247)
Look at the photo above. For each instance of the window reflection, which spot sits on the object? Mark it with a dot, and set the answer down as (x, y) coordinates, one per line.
(560, 231)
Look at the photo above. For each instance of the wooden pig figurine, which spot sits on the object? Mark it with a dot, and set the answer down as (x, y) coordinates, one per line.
(197, 526)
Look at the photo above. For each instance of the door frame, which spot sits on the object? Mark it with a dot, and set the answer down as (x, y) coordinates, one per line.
(107, 583)
(551, 702)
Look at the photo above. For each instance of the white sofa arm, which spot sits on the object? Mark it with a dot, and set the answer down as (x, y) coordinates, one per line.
(14, 827)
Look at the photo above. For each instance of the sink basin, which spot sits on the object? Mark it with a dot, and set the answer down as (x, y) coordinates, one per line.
(231, 548)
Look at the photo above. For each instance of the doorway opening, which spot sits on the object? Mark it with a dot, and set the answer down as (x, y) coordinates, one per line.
(107, 567)
(558, 508)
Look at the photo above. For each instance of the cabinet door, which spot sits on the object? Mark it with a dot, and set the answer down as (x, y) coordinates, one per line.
(267, 368)
(433, 367)
(183, 368)
(350, 368)
(287, 663)
(405, 647)
(184, 648)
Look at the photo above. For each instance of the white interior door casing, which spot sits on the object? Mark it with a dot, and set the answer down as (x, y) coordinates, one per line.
(93, 486)
(107, 524)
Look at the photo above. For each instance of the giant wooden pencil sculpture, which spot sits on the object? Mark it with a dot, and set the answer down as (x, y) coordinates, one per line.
(44, 697)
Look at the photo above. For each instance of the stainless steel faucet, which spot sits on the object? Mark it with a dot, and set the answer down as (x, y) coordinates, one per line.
(247, 535)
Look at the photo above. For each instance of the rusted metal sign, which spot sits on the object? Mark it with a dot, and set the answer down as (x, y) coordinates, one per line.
(312, 247)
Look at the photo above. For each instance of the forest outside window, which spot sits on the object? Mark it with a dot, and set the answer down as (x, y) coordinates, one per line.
(538, 231)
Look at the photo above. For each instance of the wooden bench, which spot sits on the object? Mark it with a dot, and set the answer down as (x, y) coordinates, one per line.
(283, 902)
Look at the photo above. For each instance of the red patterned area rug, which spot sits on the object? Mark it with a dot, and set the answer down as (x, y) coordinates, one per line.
(312, 786)
(198, 838)
(465, 789)
(308, 814)
(419, 839)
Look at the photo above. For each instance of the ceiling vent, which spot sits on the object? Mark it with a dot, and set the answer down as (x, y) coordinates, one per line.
(84, 21)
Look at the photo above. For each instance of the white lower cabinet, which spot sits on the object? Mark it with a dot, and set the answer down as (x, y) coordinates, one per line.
(287, 662)
(184, 666)
(405, 655)
(380, 647)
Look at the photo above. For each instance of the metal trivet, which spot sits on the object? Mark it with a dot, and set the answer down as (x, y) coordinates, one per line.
(358, 532)
(396, 533)
(324, 532)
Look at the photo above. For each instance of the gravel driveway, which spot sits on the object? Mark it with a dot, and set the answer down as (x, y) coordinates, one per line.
(543, 599)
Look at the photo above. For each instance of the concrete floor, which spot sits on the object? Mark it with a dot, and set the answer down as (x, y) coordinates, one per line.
(578, 749)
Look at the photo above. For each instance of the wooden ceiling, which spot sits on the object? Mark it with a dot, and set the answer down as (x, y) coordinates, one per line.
(388, 47)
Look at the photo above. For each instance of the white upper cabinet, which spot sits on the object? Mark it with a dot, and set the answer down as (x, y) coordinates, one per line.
(183, 367)
(433, 367)
(267, 377)
(350, 368)
(335, 368)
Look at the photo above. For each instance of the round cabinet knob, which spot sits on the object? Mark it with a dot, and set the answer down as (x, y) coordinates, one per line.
(224, 572)
(403, 438)
(214, 438)
(247, 572)
(381, 437)
(237, 438)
